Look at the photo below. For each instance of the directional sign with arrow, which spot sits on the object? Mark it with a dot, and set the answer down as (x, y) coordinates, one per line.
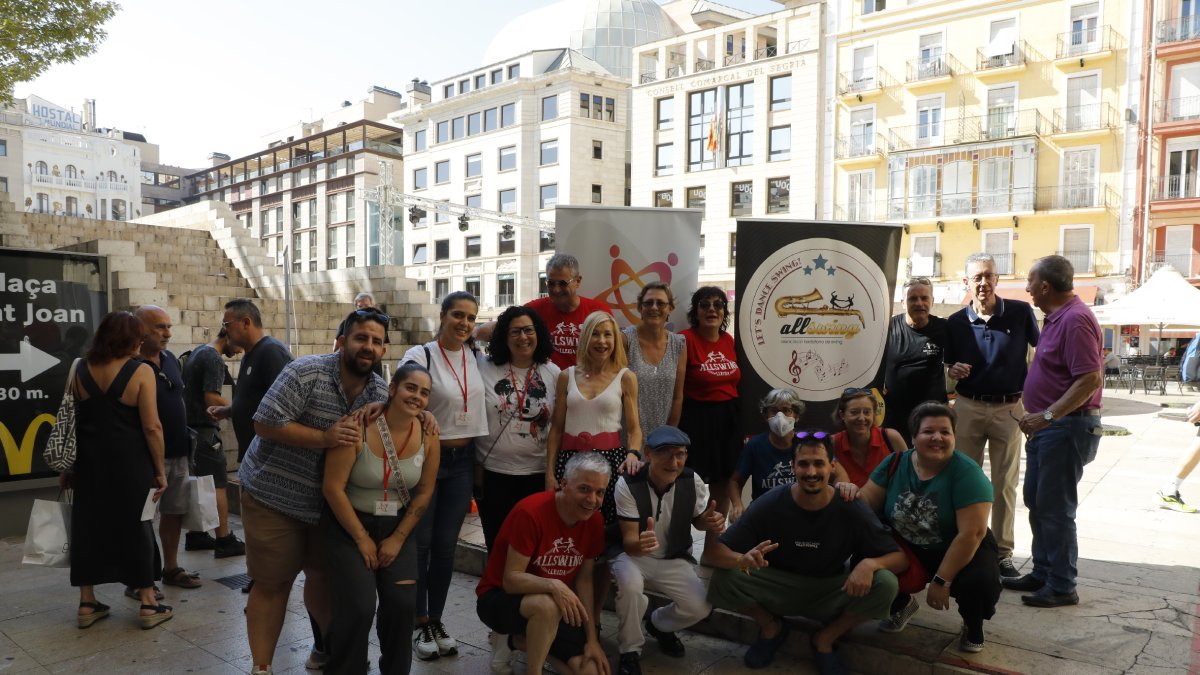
(31, 361)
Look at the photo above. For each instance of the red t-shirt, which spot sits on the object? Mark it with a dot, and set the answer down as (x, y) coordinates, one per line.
(555, 550)
(876, 453)
(712, 369)
(564, 327)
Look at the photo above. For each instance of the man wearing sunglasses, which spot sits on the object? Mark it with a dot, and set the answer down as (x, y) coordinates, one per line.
(987, 350)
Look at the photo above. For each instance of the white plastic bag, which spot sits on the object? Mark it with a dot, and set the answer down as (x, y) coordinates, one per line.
(48, 538)
(201, 515)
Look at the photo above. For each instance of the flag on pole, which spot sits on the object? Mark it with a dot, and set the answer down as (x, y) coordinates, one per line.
(714, 133)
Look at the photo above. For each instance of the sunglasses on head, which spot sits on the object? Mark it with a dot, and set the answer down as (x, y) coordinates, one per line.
(818, 435)
(857, 391)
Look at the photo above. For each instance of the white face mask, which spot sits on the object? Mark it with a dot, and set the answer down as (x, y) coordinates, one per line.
(781, 425)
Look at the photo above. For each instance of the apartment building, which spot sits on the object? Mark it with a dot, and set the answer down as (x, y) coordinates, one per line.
(988, 126)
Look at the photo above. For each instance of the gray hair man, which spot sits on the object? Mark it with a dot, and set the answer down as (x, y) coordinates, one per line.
(914, 370)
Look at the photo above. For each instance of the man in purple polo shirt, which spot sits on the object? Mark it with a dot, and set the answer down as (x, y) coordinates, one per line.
(1062, 428)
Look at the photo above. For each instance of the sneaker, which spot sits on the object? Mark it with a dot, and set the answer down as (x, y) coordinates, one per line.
(762, 653)
(446, 645)
(316, 659)
(1174, 502)
(1008, 570)
(228, 547)
(899, 619)
(198, 541)
(968, 644)
(501, 654)
(423, 644)
(629, 664)
(669, 643)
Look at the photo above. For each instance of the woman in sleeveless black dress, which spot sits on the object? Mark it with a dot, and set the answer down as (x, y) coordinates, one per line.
(114, 472)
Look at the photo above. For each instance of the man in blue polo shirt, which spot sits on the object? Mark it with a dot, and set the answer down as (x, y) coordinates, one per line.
(987, 347)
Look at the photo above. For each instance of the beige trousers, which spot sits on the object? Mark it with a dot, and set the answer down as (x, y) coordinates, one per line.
(994, 425)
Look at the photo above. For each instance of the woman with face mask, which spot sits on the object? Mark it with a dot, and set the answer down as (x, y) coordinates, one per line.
(766, 460)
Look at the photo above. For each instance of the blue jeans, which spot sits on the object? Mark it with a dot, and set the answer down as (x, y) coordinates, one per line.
(1054, 461)
(437, 532)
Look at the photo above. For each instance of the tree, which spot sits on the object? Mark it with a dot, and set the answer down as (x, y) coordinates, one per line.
(36, 34)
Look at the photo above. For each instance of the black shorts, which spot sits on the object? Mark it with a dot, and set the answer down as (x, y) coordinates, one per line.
(209, 459)
(715, 430)
(502, 613)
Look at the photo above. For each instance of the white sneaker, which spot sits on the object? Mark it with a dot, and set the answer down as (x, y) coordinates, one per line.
(423, 644)
(501, 654)
(316, 660)
(446, 645)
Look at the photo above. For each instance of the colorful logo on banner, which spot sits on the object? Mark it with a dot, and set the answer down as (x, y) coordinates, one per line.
(817, 318)
(626, 283)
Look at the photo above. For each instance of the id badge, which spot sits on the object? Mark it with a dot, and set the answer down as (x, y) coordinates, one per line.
(463, 419)
(386, 508)
(521, 427)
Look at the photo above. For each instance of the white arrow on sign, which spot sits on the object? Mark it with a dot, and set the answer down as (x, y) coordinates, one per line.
(31, 361)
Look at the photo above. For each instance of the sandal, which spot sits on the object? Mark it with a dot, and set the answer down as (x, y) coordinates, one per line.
(179, 577)
(99, 611)
(136, 594)
(161, 614)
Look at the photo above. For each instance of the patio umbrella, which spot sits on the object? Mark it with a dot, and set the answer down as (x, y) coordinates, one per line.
(1166, 300)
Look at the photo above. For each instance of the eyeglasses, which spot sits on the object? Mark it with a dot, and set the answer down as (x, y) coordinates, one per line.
(818, 435)
(711, 304)
(655, 303)
(529, 331)
(558, 283)
(163, 376)
(225, 325)
(980, 278)
(857, 391)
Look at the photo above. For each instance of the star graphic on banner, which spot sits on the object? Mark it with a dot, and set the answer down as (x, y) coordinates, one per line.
(820, 261)
(830, 270)
(808, 270)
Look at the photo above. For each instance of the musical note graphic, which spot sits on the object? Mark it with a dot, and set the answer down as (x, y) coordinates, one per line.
(811, 360)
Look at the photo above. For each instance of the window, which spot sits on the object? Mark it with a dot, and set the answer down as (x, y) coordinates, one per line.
(278, 219)
(474, 165)
(474, 201)
(331, 208)
(872, 6)
(999, 244)
(506, 285)
(1084, 19)
(489, 119)
(3, 148)
(471, 285)
(1083, 103)
(733, 249)
(666, 113)
(421, 284)
(43, 204)
(464, 86)
(474, 247)
(349, 204)
(41, 168)
(663, 198)
(548, 152)
(506, 245)
(702, 110)
(543, 289)
(1076, 246)
(508, 114)
(922, 259)
(441, 288)
(508, 158)
(862, 132)
(480, 83)
(545, 243)
(473, 124)
(1002, 44)
(443, 131)
(420, 178)
(930, 63)
(330, 172)
(860, 204)
(739, 116)
(597, 149)
(1081, 177)
(440, 216)
(697, 197)
(548, 196)
(456, 127)
(778, 195)
(331, 248)
(514, 71)
(448, 91)
(441, 249)
(508, 201)
(497, 76)
(72, 202)
(549, 108)
(741, 198)
(781, 92)
(418, 140)
(610, 110)
(929, 122)
(441, 172)
(1002, 112)
(862, 75)
(147, 176)
(420, 253)
(664, 159)
(585, 105)
(597, 194)
(781, 144)
(312, 213)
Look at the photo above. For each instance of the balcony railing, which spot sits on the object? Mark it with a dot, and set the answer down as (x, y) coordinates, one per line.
(1076, 43)
(1004, 122)
(1179, 30)
(964, 203)
(504, 299)
(924, 266)
(1186, 263)
(1005, 263)
(1177, 109)
(676, 71)
(766, 52)
(865, 210)
(797, 45)
(647, 77)
(1084, 118)
(862, 80)
(1173, 187)
(928, 68)
(1087, 262)
(704, 64)
(859, 145)
(1014, 58)
(1058, 197)
(734, 59)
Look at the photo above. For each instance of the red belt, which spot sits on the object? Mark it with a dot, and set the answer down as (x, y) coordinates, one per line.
(586, 442)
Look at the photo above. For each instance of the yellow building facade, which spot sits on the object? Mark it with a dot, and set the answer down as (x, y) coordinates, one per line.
(986, 126)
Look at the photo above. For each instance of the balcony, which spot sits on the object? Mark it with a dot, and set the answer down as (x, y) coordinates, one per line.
(928, 69)
(1084, 118)
(1065, 197)
(647, 77)
(703, 65)
(964, 203)
(770, 51)
(1088, 262)
(734, 59)
(1163, 188)
(863, 82)
(859, 146)
(1184, 109)
(505, 300)
(1186, 263)
(1087, 42)
(1179, 30)
(1005, 263)
(924, 266)
(676, 71)
(1004, 122)
(1002, 63)
(863, 210)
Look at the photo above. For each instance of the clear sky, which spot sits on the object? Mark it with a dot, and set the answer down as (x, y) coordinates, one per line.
(215, 76)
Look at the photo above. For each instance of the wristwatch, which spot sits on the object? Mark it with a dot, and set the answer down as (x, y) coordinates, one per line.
(937, 579)
(1047, 415)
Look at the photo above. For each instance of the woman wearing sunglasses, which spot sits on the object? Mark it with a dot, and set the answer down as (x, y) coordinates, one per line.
(766, 461)
(710, 395)
(860, 445)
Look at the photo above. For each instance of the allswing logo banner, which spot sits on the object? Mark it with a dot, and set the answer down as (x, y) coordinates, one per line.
(814, 301)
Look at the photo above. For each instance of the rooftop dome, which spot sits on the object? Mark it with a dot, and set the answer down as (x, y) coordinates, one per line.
(603, 30)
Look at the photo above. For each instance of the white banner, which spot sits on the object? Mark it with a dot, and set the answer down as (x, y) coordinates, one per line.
(621, 249)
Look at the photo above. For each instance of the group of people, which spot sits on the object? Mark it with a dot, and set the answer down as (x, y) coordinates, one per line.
(594, 452)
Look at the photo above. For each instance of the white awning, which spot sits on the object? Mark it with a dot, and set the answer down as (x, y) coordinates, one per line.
(1003, 44)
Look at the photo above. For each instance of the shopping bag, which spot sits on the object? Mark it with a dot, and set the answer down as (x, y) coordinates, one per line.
(201, 515)
(47, 540)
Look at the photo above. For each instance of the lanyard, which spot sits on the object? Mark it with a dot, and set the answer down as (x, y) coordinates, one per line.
(521, 393)
(462, 384)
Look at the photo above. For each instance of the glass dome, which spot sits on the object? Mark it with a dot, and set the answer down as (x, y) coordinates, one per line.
(603, 30)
